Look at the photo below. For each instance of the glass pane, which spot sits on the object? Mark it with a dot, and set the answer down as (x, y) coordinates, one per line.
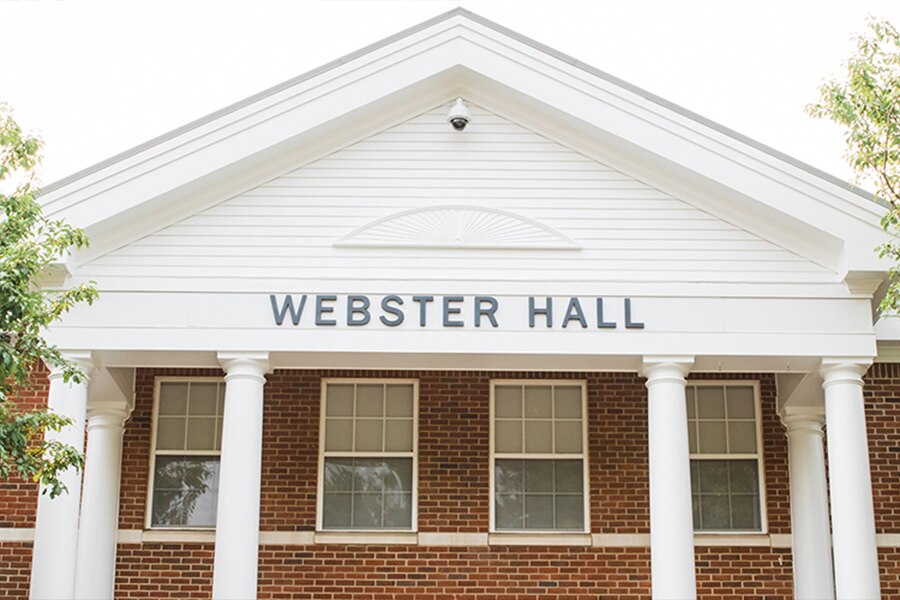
(398, 511)
(742, 437)
(538, 437)
(172, 398)
(368, 475)
(567, 404)
(369, 400)
(741, 403)
(509, 476)
(339, 401)
(398, 474)
(710, 402)
(367, 510)
(539, 476)
(538, 402)
(339, 434)
(509, 511)
(712, 437)
(691, 402)
(398, 435)
(202, 433)
(170, 433)
(714, 513)
(744, 476)
(692, 437)
(336, 511)
(220, 398)
(509, 436)
(745, 512)
(219, 421)
(570, 512)
(508, 401)
(368, 435)
(713, 476)
(202, 399)
(695, 476)
(695, 507)
(568, 437)
(339, 475)
(185, 491)
(538, 512)
(400, 400)
(569, 476)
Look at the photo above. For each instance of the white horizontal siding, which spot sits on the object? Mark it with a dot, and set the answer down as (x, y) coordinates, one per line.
(627, 229)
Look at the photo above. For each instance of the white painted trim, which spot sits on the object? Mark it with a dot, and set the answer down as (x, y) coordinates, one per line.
(16, 534)
(308, 538)
(539, 539)
(438, 538)
(366, 537)
(154, 419)
(186, 536)
(320, 483)
(584, 456)
(286, 538)
(758, 456)
(620, 540)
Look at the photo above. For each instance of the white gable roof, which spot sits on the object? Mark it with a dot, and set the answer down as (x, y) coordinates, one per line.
(243, 146)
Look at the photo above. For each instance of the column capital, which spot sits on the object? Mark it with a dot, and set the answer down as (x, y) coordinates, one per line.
(803, 418)
(666, 368)
(83, 360)
(844, 369)
(244, 365)
(108, 415)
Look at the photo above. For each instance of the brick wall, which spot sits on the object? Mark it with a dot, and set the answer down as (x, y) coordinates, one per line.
(18, 498)
(882, 394)
(454, 497)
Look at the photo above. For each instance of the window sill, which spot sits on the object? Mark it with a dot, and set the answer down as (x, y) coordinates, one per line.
(410, 538)
(526, 538)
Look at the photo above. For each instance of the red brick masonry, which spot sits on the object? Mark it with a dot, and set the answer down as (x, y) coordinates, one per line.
(454, 497)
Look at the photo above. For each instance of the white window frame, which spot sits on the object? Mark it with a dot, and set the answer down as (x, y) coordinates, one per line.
(320, 477)
(759, 456)
(148, 510)
(583, 456)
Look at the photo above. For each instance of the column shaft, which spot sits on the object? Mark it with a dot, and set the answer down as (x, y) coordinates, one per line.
(671, 516)
(95, 566)
(56, 528)
(810, 526)
(852, 514)
(237, 517)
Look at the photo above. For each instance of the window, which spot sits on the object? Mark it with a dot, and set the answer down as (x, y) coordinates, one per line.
(187, 438)
(726, 471)
(538, 443)
(367, 469)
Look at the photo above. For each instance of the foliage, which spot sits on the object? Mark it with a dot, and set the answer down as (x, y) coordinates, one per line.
(29, 245)
(867, 105)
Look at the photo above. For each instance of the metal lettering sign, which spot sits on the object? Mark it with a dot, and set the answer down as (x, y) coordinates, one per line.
(394, 310)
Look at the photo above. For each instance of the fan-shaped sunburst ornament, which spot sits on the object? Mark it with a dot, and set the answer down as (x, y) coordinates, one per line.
(457, 227)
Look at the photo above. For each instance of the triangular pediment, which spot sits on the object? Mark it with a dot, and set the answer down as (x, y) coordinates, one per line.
(208, 165)
(421, 202)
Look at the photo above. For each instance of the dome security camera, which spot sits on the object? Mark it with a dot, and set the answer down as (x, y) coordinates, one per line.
(459, 115)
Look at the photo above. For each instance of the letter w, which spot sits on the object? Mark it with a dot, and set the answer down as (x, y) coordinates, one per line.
(287, 305)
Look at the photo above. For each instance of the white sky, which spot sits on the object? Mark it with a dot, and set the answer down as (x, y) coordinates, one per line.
(97, 78)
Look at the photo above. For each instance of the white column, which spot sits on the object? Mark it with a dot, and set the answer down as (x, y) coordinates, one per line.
(56, 529)
(671, 516)
(96, 562)
(852, 514)
(810, 526)
(237, 516)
